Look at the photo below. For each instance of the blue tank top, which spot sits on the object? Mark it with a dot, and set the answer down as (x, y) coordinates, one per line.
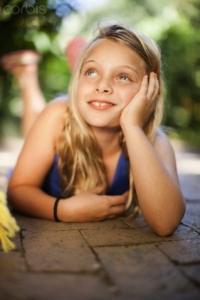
(120, 184)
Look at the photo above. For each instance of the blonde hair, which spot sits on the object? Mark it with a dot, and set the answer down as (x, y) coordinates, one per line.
(81, 163)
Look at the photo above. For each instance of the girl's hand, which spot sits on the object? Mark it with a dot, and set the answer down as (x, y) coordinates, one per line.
(91, 206)
(140, 108)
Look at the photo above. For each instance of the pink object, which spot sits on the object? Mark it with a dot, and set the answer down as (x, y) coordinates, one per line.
(74, 49)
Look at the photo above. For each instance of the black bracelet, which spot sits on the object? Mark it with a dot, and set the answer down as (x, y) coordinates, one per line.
(55, 209)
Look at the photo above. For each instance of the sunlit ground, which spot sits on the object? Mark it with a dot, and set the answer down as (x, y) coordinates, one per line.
(9, 151)
(187, 162)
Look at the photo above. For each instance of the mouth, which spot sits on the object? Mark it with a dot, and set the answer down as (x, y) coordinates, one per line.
(101, 105)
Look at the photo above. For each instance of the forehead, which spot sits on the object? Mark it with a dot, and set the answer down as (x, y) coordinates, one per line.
(108, 49)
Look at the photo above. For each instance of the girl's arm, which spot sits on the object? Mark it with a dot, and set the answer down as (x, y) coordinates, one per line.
(36, 158)
(24, 189)
(153, 166)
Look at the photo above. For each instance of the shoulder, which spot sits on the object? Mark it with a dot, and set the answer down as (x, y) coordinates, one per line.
(161, 141)
(53, 112)
(50, 121)
(57, 106)
(160, 136)
(163, 147)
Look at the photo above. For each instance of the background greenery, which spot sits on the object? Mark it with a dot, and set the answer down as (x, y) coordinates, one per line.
(174, 24)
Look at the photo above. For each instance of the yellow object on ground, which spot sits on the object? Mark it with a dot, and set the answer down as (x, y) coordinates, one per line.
(8, 225)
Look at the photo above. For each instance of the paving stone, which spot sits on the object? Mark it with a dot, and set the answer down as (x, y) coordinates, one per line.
(34, 224)
(192, 214)
(54, 286)
(114, 259)
(11, 262)
(133, 236)
(17, 242)
(190, 186)
(143, 272)
(135, 222)
(58, 251)
(188, 167)
(182, 252)
(192, 272)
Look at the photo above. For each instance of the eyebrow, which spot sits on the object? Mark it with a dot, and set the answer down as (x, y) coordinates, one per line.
(132, 68)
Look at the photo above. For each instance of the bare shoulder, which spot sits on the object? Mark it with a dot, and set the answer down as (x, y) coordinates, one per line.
(53, 113)
(58, 105)
(162, 144)
(49, 124)
(166, 153)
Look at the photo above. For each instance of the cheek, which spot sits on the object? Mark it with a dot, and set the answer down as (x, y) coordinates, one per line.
(130, 94)
(80, 92)
(79, 88)
(83, 87)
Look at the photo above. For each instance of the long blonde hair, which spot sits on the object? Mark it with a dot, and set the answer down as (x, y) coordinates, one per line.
(80, 162)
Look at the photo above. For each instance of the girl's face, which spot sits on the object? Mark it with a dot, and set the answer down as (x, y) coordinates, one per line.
(110, 77)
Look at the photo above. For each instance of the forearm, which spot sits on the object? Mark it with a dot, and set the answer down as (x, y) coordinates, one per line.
(159, 195)
(31, 201)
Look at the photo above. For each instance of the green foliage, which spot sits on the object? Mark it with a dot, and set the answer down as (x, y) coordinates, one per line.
(54, 74)
(30, 27)
(180, 46)
(175, 25)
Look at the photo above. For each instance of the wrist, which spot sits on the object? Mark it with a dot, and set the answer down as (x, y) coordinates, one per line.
(127, 122)
(55, 209)
(61, 210)
(58, 210)
(130, 127)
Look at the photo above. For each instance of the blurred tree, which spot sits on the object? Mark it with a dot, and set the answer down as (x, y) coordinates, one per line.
(180, 45)
(45, 25)
(28, 25)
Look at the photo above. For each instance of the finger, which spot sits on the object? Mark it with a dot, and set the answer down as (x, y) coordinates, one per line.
(144, 85)
(157, 88)
(153, 87)
(111, 217)
(117, 210)
(119, 199)
(99, 190)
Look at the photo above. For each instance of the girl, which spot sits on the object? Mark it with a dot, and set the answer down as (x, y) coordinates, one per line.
(91, 157)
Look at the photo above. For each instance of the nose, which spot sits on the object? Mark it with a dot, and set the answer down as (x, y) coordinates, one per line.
(103, 86)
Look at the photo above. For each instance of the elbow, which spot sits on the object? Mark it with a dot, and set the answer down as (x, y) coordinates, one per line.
(167, 229)
(165, 232)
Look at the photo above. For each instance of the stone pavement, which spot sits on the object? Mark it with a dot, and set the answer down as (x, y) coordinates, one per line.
(116, 259)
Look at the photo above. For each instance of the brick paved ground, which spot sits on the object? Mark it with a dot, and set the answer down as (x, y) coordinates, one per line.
(116, 259)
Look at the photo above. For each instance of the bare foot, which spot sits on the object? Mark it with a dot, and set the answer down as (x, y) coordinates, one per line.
(20, 58)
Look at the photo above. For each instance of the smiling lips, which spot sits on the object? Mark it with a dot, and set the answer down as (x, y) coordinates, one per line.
(101, 104)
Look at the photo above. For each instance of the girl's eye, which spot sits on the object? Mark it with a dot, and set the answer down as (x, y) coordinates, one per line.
(90, 72)
(124, 77)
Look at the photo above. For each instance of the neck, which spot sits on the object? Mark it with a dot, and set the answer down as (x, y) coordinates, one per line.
(108, 140)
